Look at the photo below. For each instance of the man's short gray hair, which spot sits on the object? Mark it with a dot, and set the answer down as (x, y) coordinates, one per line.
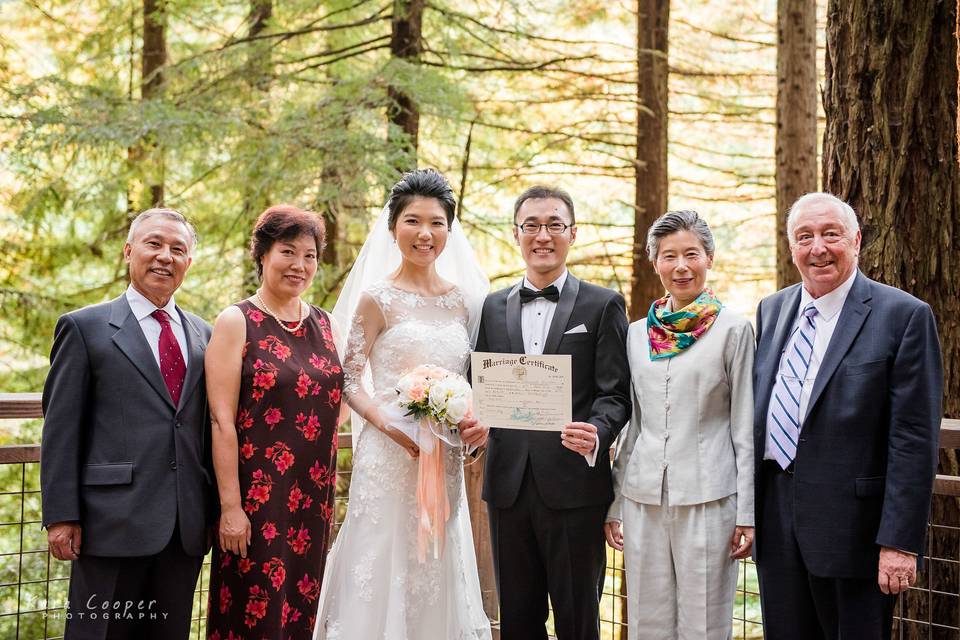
(673, 221)
(846, 213)
(171, 214)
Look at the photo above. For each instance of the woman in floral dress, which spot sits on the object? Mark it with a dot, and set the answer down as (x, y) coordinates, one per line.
(274, 383)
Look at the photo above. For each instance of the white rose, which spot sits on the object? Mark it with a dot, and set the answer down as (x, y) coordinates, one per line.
(403, 388)
(440, 392)
(457, 409)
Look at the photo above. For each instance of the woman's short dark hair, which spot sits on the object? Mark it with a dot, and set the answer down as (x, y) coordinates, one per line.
(283, 222)
(673, 221)
(420, 183)
(540, 192)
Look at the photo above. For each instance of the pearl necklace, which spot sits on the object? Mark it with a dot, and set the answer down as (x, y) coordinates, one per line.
(300, 316)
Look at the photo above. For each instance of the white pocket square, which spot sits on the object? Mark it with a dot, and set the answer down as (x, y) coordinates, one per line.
(580, 328)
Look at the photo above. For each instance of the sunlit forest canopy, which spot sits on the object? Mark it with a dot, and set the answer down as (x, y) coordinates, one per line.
(219, 109)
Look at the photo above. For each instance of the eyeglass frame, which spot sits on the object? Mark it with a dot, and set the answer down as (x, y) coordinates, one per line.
(541, 226)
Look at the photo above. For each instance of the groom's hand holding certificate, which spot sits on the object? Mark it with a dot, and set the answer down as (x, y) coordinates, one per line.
(580, 437)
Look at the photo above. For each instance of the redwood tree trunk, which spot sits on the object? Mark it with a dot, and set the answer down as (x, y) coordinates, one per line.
(650, 195)
(145, 157)
(796, 171)
(259, 75)
(154, 59)
(406, 45)
(890, 150)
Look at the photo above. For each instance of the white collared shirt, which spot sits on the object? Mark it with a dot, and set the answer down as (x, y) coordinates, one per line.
(142, 308)
(535, 319)
(536, 316)
(828, 313)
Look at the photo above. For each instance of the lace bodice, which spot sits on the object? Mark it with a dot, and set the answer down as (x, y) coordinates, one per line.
(411, 330)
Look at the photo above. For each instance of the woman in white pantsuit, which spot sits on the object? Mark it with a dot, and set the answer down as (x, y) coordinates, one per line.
(683, 473)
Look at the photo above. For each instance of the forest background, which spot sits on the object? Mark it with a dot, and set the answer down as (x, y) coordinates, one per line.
(219, 109)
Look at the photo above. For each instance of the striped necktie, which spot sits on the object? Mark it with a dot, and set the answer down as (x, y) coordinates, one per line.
(783, 416)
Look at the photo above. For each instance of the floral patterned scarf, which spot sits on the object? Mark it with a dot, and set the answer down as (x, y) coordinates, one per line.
(670, 332)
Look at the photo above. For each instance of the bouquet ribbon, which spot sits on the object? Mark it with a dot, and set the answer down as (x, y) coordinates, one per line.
(433, 507)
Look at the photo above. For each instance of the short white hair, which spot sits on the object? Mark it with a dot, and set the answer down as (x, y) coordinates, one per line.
(171, 214)
(846, 213)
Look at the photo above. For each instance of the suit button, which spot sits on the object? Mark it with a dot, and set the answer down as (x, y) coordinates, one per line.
(178, 424)
(173, 465)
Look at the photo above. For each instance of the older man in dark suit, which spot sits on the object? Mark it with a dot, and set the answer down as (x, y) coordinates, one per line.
(848, 383)
(125, 444)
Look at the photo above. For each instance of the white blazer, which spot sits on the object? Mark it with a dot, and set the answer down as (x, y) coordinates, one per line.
(692, 421)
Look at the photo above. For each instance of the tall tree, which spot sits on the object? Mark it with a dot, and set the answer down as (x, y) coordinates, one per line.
(406, 44)
(650, 180)
(796, 148)
(147, 155)
(890, 150)
(258, 76)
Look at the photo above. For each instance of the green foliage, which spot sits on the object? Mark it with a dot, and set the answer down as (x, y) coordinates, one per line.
(509, 93)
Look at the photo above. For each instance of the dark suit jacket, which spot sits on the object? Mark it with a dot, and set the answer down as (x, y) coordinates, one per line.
(867, 454)
(116, 455)
(601, 396)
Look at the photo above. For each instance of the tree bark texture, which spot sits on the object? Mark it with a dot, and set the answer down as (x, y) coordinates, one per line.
(650, 195)
(406, 44)
(152, 63)
(145, 157)
(796, 145)
(259, 75)
(890, 150)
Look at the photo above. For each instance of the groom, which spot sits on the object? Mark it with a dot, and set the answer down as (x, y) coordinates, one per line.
(547, 492)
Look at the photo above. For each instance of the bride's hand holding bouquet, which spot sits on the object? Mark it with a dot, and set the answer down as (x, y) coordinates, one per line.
(438, 402)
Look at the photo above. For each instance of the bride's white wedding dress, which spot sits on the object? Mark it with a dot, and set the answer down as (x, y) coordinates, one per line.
(374, 586)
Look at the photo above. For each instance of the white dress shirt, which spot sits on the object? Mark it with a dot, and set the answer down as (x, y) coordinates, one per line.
(142, 308)
(536, 316)
(828, 312)
(535, 319)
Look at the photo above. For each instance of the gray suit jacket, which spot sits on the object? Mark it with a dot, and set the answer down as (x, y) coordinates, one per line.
(116, 455)
(692, 421)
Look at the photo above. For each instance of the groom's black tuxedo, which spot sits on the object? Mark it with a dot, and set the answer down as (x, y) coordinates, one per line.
(547, 505)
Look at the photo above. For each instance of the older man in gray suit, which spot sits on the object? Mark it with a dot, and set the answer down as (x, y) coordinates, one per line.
(125, 443)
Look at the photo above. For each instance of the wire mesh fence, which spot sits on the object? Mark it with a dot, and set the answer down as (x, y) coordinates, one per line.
(33, 585)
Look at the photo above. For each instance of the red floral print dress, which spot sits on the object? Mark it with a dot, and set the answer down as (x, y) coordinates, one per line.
(286, 429)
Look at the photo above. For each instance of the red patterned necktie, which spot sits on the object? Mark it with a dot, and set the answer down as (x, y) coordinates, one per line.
(172, 367)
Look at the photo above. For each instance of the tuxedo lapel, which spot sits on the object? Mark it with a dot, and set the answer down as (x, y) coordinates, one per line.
(195, 361)
(561, 316)
(130, 340)
(852, 316)
(514, 325)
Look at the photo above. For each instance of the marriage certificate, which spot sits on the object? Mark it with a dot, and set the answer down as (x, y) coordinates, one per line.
(519, 391)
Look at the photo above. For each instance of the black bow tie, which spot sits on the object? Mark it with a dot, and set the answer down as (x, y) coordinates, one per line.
(550, 293)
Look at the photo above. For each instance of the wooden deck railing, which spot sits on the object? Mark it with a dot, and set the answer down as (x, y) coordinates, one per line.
(27, 406)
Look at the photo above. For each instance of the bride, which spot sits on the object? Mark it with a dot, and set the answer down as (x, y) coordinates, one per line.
(378, 582)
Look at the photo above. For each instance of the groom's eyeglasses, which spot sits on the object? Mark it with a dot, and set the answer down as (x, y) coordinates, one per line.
(553, 228)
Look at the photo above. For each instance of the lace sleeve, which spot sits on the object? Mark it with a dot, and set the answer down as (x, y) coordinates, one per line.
(367, 324)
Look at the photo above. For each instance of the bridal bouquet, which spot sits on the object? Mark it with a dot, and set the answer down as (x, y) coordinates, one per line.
(436, 400)
(436, 394)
